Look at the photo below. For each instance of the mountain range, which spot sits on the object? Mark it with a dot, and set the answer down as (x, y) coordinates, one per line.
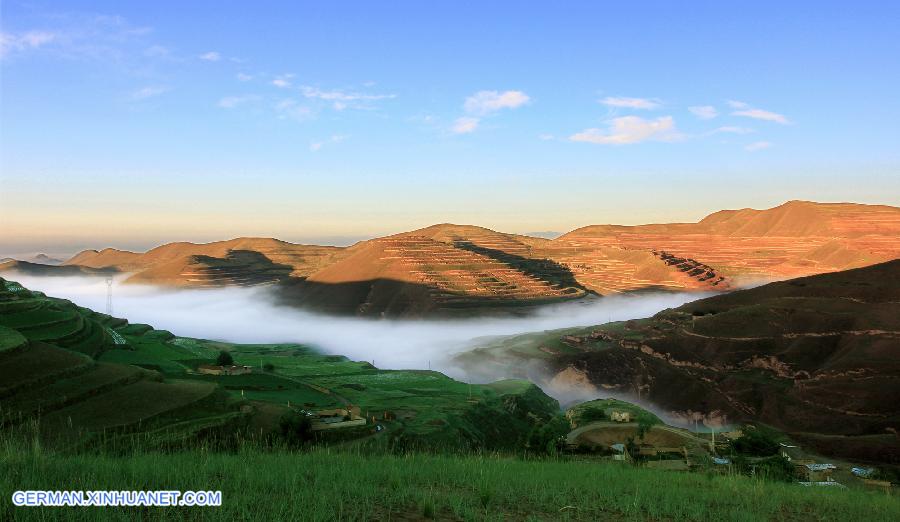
(453, 269)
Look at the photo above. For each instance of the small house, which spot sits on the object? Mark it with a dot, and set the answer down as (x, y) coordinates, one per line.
(817, 472)
(215, 369)
(620, 416)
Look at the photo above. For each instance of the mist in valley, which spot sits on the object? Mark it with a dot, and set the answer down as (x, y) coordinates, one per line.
(252, 315)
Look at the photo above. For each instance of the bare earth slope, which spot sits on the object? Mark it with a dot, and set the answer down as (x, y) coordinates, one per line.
(793, 239)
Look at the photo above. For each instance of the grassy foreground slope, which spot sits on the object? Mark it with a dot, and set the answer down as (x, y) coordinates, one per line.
(324, 486)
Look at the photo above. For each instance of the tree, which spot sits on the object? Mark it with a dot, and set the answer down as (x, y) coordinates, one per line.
(269, 367)
(549, 436)
(296, 428)
(224, 359)
(645, 422)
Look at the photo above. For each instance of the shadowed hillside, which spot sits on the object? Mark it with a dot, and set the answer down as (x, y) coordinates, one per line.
(816, 355)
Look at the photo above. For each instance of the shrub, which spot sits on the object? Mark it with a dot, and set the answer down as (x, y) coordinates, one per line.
(296, 428)
(757, 442)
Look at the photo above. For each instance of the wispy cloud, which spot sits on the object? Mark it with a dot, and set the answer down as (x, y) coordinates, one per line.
(211, 56)
(14, 42)
(745, 110)
(757, 145)
(317, 145)
(341, 100)
(546, 137)
(244, 77)
(630, 103)
(230, 102)
(630, 129)
(464, 125)
(729, 129)
(289, 108)
(151, 91)
(485, 103)
(282, 81)
(704, 112)
(79, 36)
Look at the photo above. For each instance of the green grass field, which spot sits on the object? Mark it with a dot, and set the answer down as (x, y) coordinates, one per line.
(323, 485)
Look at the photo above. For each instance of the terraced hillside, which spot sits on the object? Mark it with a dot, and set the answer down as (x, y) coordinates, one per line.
(49, 370)
(88, 378)
(438, 269)
(793, 239)
(816, 356)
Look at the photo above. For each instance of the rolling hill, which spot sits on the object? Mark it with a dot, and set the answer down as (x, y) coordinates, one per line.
(451, 269)
(816, 356)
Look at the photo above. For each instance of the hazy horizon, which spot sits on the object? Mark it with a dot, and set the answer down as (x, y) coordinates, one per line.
(67, 249)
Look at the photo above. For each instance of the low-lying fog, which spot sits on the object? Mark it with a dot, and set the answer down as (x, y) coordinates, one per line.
(250, 315)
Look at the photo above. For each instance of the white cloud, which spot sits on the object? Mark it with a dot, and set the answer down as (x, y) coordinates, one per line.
(465, 125)
(10, 42)
(341, 100)
(759, 114)
(211, 56)
(341, 96)
(704, 112)
(746, 111)
(732, 130)
(282, 81)
(546, 137)
(486, 102)
(230, 102)
(149, 92)
(630, 103)
(630, 129)
(244, 77)
(757, 145)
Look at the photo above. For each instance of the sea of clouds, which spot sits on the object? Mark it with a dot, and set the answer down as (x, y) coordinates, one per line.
(252, 315)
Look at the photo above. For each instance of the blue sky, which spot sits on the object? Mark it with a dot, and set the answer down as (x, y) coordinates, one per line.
(129, 124)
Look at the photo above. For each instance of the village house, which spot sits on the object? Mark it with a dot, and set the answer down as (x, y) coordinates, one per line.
(214, 369)
(817, 472)
(337, 418)
(620, 416)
